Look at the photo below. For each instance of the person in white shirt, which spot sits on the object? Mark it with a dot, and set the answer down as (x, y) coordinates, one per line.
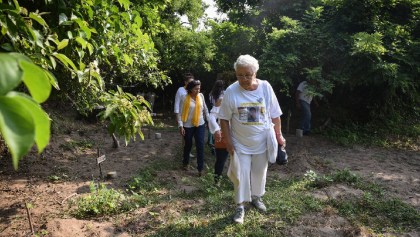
(303, 101)
(215, 93)
(191, 118)
(247, 138)
(216, 97)
(179, 94)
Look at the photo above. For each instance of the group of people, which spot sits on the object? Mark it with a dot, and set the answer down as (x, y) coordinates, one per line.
(240, 116)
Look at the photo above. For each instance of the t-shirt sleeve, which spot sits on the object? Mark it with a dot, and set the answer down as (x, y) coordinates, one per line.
(301, 87)
(177, 100)
(205, 109)
(213, 126)
(226, 108)
(181, 107)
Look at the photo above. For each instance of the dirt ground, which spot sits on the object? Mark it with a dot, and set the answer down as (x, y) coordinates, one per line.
(63, 173)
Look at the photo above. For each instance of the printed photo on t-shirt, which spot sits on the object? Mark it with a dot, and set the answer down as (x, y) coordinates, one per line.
(251, 113)
(243, 114)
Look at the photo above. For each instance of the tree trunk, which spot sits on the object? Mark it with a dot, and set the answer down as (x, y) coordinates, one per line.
(116, 142)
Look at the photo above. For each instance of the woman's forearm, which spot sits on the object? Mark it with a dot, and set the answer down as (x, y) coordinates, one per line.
(224, 124)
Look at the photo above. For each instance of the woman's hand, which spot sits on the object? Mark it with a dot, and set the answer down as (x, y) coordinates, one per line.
(182, 131)
(280, 140)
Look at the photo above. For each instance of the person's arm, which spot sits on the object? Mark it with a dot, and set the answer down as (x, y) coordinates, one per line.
(277, 128)
(205, 109)
(275, 111)
(213, 125)
(178, 117)
(176, 104)
(226, 134)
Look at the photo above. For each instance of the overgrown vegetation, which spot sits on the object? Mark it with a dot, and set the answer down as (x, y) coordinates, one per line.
(106, 201)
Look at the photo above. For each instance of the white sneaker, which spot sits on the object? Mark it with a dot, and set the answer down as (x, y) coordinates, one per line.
(239, 215)
(257, 202)
(191, 155)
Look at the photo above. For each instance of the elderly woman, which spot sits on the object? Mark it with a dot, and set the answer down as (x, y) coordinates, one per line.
(246, 138)
(193, 110)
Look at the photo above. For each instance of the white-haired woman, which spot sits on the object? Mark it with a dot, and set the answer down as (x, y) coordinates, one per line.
(246, 138)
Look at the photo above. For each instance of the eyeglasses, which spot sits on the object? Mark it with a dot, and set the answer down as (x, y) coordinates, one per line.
(245, 76)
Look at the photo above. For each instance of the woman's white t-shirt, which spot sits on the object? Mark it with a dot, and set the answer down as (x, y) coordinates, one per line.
(246, 112)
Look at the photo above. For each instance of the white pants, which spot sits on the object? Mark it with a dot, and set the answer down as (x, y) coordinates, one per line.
(252, 176)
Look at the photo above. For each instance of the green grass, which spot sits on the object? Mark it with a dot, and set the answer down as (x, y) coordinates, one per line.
(378, 214)
(389, 135)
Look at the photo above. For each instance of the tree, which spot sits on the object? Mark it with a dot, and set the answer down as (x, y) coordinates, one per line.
(231, 40)
(66, 45)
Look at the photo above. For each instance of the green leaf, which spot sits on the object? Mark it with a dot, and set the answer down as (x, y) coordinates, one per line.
(16, 5)
(83, 26)
(81, 41)
(10, 74)
(41, 119)
(90, 48)
(37, 37)
(52, 79)
(125, 4)
(17, 127)
(138, 21)
(128, 59)
(36, 81)
(53, 62)
(65, 60)
(62, 44)
(38, 18)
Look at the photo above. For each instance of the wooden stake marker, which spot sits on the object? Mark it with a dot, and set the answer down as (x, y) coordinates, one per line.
(99, 160)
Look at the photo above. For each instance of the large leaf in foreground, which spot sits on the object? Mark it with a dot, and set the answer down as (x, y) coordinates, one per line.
(36, 80)
(17, 127)
(10, 75)
(41, 119)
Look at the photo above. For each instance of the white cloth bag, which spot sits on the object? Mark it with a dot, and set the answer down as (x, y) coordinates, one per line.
(234, 170)
(272, 145)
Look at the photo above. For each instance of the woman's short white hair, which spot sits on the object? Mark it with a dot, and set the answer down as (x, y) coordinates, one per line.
(247, 61)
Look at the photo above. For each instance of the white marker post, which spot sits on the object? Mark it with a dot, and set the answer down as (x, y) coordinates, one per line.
(99, 160)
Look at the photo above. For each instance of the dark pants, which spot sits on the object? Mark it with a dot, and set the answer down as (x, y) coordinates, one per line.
(305, 123)
(221, 157)
(198, 134)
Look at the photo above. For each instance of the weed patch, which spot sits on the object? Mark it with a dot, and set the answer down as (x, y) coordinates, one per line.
(103, 201)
